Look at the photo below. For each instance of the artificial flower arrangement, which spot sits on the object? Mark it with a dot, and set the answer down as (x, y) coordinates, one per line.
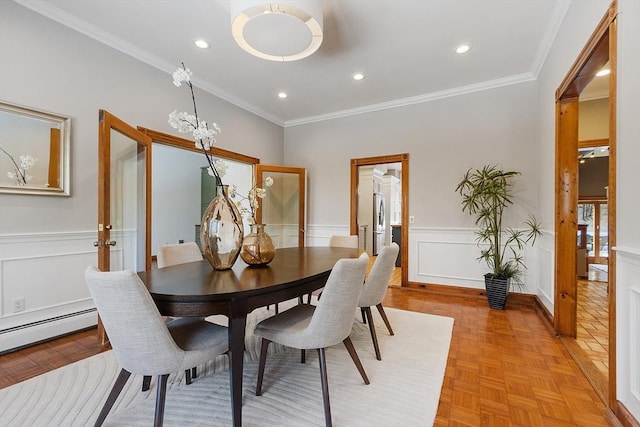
(20, 171)
(252, 199)
(203, 133)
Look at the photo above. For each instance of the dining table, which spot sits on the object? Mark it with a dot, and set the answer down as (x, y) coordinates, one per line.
(195, 289)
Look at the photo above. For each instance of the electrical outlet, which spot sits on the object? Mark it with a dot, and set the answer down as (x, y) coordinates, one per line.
(18, 305)
(181, 241)
(412, 219)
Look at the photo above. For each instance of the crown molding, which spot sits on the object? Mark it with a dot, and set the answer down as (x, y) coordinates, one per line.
(52, 12)
(45, 8)
(559, 11)
(419, 99)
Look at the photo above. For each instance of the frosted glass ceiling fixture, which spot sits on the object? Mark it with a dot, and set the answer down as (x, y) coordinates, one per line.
(284, 30)
(463, 48)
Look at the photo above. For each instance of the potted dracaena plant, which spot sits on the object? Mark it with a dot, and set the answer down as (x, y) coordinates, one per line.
(486, 193)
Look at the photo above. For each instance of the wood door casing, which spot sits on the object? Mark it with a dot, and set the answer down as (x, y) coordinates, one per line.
(108, 123)
(378, 160)
(599, 49)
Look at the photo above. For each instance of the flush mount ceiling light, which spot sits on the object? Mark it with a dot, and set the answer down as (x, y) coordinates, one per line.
(463, 48)
(284, 30)
(202, 44)
(358, 76)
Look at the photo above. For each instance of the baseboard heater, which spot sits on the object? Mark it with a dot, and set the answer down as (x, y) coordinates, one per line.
(48, 329)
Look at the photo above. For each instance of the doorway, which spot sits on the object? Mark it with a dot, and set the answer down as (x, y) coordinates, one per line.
(599, 50)
(396, 215)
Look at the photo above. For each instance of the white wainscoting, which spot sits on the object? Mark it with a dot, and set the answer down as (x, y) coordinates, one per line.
(319, 235)
(283, 235)
(47, 270)
(628, 327)
(448, 256)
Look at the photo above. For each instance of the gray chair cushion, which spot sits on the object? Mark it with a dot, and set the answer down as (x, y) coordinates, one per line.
(375, 287)
(308, 327)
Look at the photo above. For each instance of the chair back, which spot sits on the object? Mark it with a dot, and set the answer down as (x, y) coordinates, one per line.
(178, 253)
(375, 286)
(138, 335)
(343, 242)
(333, 317)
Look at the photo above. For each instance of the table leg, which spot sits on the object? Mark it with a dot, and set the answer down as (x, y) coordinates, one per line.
(236, 347)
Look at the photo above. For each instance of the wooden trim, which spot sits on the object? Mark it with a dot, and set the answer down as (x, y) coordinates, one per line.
(187, 144)
(600, 48)
(353, 223)
(594, 55)
(514, 298)
(566, 216)
(625, 417)
(589, 143)
(54, 159)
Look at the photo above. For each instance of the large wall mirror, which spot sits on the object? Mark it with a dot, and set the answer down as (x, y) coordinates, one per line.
(34, 151)
(182, 188)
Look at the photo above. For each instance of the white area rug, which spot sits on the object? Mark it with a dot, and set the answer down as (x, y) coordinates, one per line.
(404, 391)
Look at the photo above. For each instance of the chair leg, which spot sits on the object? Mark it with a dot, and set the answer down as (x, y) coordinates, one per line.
(194, 372)
(160, 397)
(146, 383)
(384, 318)
(303, 355)
(372, 330)
(362, 311)
(354, 356)
(263, 360)
(325, 387)
(123, 376)
(187, 376)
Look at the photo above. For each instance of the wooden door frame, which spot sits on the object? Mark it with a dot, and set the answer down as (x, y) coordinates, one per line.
(600, 48)
(106, 123)
(379, 160)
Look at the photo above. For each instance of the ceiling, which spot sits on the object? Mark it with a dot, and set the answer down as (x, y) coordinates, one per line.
(405, 48)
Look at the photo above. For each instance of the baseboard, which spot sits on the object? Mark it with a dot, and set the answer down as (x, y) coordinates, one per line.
(514, 298)
(624, 416)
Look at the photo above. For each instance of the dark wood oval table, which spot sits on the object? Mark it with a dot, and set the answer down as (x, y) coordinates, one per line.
(195, 289)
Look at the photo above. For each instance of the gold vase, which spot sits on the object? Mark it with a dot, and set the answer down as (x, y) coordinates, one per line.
(257, 247)
(221, 231)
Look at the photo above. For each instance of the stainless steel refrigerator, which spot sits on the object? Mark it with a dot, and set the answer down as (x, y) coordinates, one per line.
(378, 222)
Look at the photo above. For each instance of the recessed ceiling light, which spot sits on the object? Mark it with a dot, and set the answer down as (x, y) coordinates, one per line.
(282, 95)
(603, 72)
(463, 48)
(202, 44)
(358, 76)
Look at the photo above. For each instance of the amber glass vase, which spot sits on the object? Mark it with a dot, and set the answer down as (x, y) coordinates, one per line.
(221, 231)
(257, 247)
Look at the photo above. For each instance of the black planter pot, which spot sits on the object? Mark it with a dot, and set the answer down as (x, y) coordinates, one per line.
(497, 291)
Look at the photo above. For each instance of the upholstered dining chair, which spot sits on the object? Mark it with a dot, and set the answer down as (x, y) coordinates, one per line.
(343, 241)
(306, 326)
(375, 288)
(142, 342)
(178, 253)
(173, 254)
(336, 241)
